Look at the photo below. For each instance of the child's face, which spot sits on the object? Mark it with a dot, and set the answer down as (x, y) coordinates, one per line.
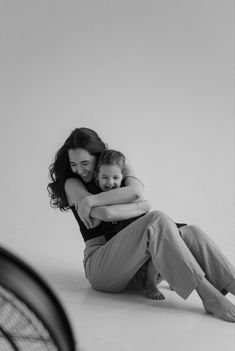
(109, 177)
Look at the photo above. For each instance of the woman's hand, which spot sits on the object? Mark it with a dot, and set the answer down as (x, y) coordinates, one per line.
(83, 210)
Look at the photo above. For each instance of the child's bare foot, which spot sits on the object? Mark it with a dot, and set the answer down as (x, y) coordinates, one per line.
(214, 302)
(153, 292)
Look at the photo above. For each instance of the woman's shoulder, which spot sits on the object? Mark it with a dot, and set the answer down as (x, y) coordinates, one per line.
(72, 183)
(75, 185)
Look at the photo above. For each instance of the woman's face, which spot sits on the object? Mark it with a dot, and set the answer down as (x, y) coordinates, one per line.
(82, 163)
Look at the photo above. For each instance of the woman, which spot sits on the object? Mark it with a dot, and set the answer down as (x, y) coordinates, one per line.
(189, 261)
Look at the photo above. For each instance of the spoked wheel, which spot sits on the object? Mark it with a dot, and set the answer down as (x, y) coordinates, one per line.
(31, 316)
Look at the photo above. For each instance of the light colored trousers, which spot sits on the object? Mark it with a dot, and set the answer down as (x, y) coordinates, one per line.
(183, 257)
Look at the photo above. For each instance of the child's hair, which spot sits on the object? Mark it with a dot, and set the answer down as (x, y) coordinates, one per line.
(111, 157)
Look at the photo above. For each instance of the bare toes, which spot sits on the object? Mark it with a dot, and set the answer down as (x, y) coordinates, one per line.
(155, 294)
(221, 308)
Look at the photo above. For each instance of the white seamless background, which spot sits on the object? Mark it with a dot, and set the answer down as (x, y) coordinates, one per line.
(154, 78)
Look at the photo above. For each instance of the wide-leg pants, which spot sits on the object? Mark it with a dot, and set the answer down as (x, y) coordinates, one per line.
(183, 257)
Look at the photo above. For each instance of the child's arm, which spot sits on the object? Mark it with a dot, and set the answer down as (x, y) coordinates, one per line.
(121, 211)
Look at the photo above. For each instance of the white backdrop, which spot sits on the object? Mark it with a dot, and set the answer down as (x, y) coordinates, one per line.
(153, 78)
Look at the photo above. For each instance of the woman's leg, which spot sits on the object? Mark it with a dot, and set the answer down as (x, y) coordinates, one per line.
(230, 287)
(215, 302)
(218, 270)
(155, 235)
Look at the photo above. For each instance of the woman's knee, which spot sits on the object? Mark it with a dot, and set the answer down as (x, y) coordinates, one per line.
(195, 229)
(191, 234)
(161, 221)
(157, 215)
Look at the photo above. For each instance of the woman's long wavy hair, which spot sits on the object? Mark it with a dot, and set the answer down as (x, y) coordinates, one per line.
(60, 170)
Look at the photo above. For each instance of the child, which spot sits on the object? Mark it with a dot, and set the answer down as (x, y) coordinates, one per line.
(110, 175)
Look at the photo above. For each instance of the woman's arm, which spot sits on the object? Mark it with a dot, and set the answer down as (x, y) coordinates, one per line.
(120, 212)
(76, 193)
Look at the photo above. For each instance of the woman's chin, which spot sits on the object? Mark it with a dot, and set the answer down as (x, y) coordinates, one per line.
(87, 178)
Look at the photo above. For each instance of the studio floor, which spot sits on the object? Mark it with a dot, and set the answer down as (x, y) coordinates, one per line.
(128, 321)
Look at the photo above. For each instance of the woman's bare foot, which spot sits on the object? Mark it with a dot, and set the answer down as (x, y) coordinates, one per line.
(153, 292)
(214, 302)
(221, 307)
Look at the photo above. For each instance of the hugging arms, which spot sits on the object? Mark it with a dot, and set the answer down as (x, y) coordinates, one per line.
(114, 205)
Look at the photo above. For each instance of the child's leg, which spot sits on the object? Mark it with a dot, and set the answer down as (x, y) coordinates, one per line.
(151, 283)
